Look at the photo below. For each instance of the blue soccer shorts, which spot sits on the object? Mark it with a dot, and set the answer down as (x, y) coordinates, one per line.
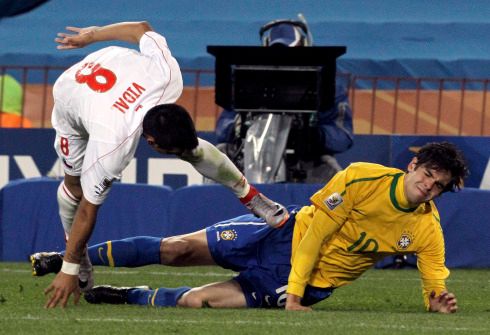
(261, 255)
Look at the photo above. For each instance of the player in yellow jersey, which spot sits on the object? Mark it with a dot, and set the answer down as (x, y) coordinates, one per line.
(366, 212)
(369, 211)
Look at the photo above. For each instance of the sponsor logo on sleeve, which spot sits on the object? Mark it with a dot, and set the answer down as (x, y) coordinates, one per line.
(333, 200)
(103, 186)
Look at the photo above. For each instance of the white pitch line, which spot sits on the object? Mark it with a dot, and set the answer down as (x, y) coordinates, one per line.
(322, 322)
(221, 274)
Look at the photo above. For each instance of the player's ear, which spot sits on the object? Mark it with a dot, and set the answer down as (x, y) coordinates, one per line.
(412, 165)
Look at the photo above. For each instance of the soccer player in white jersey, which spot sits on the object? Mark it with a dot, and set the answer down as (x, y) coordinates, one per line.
(102, 107)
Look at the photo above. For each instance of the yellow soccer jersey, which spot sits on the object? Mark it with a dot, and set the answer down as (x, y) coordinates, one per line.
(364, 216)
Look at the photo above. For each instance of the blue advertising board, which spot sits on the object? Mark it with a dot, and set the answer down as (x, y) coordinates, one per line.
(29, 153)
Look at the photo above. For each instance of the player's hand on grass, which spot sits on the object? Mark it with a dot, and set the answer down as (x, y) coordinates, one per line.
(444, 303)
(293, 303)
(60, 290)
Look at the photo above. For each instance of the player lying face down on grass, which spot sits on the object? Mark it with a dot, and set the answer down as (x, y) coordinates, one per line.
(102, 107)
(366, 212)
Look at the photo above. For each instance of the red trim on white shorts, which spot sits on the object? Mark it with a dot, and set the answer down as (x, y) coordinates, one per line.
(68, 193)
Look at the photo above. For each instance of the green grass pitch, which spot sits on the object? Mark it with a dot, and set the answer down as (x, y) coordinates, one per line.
(381, 302)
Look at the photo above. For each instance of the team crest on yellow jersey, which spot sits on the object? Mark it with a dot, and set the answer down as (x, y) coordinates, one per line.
(333, 200)
(404, 241)
(228, 235)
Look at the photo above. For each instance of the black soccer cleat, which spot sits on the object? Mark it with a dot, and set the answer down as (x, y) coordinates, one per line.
(106, 294)
(46, 262)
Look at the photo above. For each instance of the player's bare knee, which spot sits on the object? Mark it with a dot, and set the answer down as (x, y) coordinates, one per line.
(174, 251)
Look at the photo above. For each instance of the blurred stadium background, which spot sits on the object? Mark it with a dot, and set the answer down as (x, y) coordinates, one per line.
(415, 72)
(412, 67)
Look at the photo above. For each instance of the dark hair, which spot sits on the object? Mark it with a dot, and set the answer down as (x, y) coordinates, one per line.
(171, 126)
(444, 156)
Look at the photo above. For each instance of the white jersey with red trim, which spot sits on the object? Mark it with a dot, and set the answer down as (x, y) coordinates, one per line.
(99, 107)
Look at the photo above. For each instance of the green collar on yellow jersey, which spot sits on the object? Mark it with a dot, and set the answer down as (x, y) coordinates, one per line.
(393, 195)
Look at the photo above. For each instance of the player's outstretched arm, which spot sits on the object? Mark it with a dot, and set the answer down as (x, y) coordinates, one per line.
(66, 281)
(444, 303)
(123, 31)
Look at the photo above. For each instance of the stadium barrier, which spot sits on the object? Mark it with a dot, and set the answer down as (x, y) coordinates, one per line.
(381, 105)
(29, 221)
(28, 153)
(214, 203)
